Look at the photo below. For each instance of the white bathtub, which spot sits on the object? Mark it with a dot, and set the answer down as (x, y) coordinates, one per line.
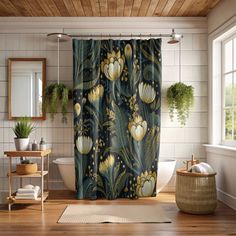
(67, 170)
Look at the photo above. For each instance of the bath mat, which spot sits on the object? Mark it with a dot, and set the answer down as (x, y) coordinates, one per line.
(92, 214)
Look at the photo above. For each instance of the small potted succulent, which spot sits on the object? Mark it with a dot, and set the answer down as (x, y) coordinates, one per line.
(22, 130)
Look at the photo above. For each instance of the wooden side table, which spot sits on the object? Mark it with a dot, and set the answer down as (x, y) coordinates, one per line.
(39, 174)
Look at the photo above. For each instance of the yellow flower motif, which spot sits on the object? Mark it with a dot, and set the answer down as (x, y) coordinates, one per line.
(84, 144)
(96, 93)
(146, 183)
(146, 92)
(113, 66)
(110, 114)
(128, 51)
(138, 128)
(104, 165)
(77, 108)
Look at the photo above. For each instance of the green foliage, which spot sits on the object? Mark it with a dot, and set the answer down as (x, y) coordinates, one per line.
(23, 127)
(150, 150)
(56, 96)
(26, 161)
(114, 181)
(230, 124)
(230, 114)
(180, 98)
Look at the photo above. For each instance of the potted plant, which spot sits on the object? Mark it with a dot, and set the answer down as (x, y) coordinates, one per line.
(22, 130)
(56, 95)
(180, 98)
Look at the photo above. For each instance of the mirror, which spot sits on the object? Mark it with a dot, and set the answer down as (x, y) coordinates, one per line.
(26, 83)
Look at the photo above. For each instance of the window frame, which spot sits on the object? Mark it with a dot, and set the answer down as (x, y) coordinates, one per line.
(232, 37)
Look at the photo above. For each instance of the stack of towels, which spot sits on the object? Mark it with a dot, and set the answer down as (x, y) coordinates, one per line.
(28, 192)
(202, 167)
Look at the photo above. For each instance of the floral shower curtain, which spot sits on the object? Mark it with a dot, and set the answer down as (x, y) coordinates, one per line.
(117, 100)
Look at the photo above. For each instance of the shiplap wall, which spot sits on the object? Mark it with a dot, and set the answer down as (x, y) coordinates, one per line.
(221, 24)
(29, 40)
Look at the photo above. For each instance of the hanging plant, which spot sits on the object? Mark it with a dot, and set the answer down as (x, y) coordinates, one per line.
(56, 96)
(180, 99)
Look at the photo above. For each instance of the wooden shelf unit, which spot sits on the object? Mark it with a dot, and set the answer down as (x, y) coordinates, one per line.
(35, 175)
(29, 201)
(39, 174)
(27, 153)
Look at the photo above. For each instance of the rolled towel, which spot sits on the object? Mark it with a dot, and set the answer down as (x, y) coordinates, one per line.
(207, 167)
(28, 186)
(197, 169)
(201, 168)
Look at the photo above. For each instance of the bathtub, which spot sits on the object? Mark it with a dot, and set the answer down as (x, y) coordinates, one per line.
(67, 170)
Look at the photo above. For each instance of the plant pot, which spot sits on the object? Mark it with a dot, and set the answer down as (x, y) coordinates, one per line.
(26, 169)
(22, 144)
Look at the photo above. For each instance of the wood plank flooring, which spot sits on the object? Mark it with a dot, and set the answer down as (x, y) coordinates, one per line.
(28, 220)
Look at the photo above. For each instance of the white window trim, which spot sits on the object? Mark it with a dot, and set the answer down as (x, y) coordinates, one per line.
(232, 36)
(221, 150)
(215, 82)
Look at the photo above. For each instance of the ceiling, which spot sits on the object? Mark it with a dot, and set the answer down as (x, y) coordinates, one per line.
(106, 7)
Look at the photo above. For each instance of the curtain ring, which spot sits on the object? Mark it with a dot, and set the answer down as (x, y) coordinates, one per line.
(131, 36)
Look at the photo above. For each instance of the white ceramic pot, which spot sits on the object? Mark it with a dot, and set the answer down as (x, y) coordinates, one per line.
(22, 144)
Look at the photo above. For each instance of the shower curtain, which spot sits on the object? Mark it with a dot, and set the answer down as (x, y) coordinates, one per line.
(117, 100)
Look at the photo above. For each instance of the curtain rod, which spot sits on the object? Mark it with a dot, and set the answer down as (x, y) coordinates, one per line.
(121, 35)
(63, 36)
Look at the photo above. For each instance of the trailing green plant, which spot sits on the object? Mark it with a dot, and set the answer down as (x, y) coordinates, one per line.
(56, 96)
(23, 127)
(180, 98)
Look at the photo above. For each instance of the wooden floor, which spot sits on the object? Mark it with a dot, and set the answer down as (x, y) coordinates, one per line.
(29, 221)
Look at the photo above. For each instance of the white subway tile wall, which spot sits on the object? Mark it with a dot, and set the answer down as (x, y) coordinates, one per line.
(176, 142)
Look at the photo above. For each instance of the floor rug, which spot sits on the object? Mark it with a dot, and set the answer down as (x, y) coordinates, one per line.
(92, 214)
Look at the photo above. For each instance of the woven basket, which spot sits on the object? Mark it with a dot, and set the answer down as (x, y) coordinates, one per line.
(26, 169)
(195, 192)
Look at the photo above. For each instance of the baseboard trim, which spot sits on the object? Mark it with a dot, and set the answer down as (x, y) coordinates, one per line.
(226, 198)
(168, 189)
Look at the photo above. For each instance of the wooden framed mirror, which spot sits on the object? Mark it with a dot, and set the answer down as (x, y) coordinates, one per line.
(26, 84)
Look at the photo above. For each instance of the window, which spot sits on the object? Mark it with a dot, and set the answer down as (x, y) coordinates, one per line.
(229, 90)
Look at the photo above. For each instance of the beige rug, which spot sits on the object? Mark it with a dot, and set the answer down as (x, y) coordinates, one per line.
(92, 214)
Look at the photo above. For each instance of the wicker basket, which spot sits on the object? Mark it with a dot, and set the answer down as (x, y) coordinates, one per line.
(26, 169)
(195, 192)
